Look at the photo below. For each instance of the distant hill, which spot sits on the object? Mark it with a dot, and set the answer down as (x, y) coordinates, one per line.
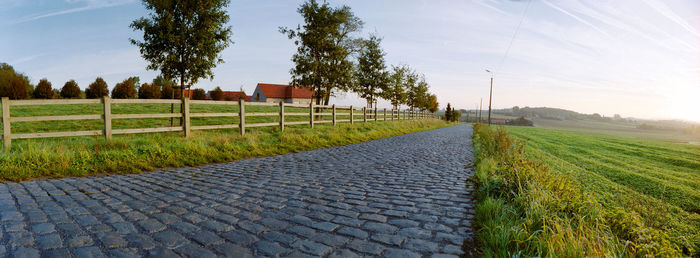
(549, 113)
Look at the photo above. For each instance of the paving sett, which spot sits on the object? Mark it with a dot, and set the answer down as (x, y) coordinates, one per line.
(402, 196)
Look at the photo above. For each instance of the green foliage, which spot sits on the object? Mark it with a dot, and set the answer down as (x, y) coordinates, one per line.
(124, 90)
(43, 90)
(448, 112)
(70, 90)
(184, 39)
(324, 46)
(371, 75)
(527, 208)
(149, 91)
(97, 89)
(199, 94)
(396, 89)
(217, 94)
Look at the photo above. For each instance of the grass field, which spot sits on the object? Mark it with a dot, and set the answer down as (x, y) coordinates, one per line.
(83, 156)
(614, 128)
(592, 194)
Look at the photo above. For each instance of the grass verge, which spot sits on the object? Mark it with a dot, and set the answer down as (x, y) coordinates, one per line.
(86, 156)
(525, 208)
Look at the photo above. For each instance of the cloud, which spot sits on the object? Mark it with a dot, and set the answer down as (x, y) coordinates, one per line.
(89, 5)
(581, 20)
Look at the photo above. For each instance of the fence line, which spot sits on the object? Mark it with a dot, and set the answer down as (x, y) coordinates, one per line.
(315, 111)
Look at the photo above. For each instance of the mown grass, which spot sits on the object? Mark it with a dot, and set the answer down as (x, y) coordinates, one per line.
(85, 156)
(547, 193)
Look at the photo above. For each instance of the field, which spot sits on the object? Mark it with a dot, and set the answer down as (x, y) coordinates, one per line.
(83, 156)
(614, 128)
(660, 181)
(593, 194)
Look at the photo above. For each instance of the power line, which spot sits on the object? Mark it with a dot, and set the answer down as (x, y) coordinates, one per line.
(517, 29)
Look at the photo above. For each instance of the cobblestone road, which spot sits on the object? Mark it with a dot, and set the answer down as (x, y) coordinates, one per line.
(403, 196)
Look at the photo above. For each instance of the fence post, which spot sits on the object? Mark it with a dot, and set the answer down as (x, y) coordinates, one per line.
(375, 113)
(392, 114)
(352, 117)
(281, 115)
(241, 115)
(333, 114)
(364, 114)
(311, 114)
(107, 103)
(6, 134)
(186, 117)
(384, 114)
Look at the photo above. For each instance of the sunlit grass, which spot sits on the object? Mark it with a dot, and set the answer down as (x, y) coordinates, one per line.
(85, 156)
(548, 193)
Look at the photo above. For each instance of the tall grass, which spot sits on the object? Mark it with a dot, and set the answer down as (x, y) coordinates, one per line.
(527, 209)
(85, 156)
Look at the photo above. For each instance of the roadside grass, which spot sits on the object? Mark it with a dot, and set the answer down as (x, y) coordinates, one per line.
(87, 156)
(532, 204)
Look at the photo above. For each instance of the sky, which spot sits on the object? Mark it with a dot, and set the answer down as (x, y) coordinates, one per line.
(637, 58)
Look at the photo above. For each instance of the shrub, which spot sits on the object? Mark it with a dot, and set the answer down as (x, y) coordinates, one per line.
(7, 75)
(17, 89)
(70, 90)
(97, 89)
(199, 94)
(217, 94)
(43, 90)
(124, 90)
(149, 91)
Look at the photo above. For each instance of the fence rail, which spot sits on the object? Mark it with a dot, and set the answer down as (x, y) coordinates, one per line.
(314, 114)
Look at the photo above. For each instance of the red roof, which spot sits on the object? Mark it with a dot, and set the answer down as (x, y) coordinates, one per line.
(283, 91)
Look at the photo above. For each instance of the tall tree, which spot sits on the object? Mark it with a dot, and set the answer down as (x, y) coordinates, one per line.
(371, 75)
(183, 39)
(433, 103)
(412, 91)
(324, 46)
(396, 88)
(448, 112)
(420, 99)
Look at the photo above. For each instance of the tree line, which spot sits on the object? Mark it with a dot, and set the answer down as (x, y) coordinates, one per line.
(331, 58)
(184, 42)
(16, 85)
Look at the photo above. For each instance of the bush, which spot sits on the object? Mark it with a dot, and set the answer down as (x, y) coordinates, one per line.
(17, 89)
(7, 75)
(43, 90)
(217, 94)
(70, 90)
(149, 91)
(124, 90)
(97, 89)
(199, 94)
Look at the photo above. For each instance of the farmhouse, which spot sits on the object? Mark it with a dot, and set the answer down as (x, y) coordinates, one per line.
(276, 93)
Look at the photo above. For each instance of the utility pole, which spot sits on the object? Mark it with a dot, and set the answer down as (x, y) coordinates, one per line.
(490, 95)
(480, 102)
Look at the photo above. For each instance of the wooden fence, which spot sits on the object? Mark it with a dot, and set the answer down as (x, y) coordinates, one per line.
(107, 116)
